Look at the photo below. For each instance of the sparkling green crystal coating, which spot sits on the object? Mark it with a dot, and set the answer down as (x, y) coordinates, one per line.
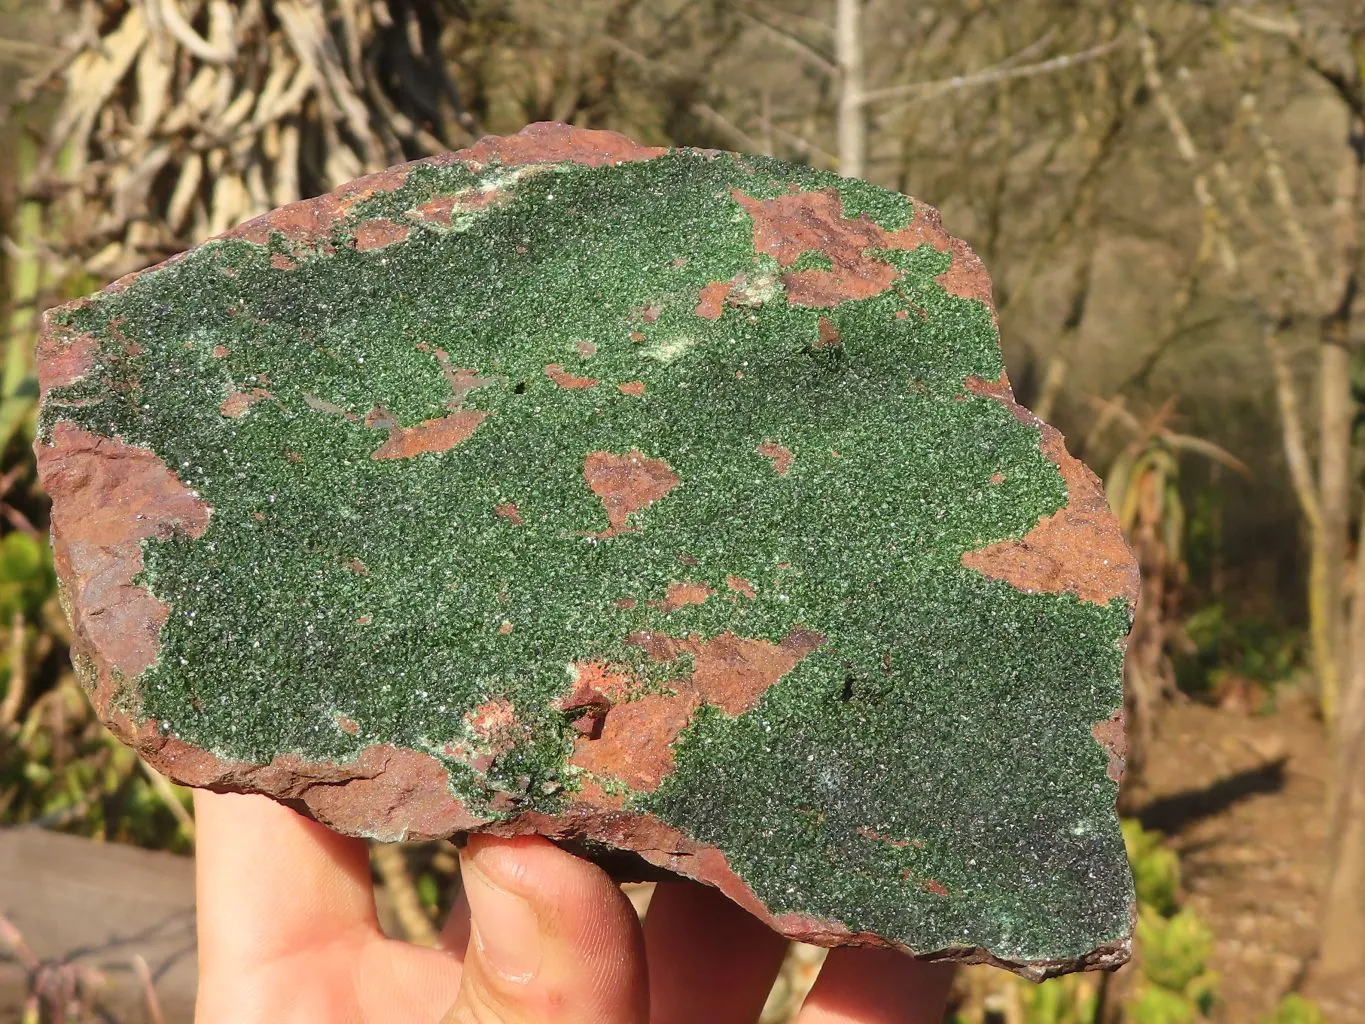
(927, 773)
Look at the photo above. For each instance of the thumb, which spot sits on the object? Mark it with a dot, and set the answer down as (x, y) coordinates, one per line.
(552, 940)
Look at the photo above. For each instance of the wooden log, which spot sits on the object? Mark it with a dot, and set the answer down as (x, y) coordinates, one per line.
(98, 906)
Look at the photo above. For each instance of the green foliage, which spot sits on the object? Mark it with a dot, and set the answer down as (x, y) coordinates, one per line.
(23, 288)
(1294, 1009)
(1175, 952)
(429, 891)
(1156, 868)
(1248, 647)
(1173, 944)
(1068, 1000)
(1155, 1005)
(1138, 470)
(26, 577)
(1204, 530)
(60, 769)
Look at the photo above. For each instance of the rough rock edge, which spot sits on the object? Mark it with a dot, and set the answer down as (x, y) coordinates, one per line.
(1086, 512)
(1084, 527)
(383, 782)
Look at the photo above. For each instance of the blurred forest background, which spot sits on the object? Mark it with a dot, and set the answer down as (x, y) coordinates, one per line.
(1170, 195)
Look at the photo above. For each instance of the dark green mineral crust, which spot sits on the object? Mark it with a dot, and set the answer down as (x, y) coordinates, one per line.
(502, 450)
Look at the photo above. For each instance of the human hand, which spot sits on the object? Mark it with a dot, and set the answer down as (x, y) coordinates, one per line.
(288, 934)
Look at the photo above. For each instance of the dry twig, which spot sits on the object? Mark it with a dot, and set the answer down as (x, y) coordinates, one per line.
(18, 672)
(166, 792)
(149, 996)
(392, 866)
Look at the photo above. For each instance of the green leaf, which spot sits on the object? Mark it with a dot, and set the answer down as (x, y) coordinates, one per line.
(26, 577)
(1294, 1009)
(21, 558)
(428, 891)
(1156, 868)
(1174, 950)
(18, 406)
(1156, 1005)
(1069, 1000)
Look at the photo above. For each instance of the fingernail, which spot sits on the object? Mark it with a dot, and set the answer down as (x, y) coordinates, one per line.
(504, 927)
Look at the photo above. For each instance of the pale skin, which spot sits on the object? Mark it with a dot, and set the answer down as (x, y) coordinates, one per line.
(288, 935)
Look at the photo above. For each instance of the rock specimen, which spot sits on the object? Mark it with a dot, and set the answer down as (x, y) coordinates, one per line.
(673, 504)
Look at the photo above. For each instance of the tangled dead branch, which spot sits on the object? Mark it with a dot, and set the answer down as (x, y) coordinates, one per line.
(181, 118)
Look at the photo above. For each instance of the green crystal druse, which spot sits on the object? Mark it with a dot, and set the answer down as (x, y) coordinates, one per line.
(492, 436)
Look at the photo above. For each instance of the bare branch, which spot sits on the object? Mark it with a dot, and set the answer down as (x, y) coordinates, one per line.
(162, 787)
(992, 75)
(806, 148)
(168, 13)
(718, 120)
(794, 42)
(1291, 423)
(1289, 28)
(852, 121)
(24, 50)
(149, 997)
(1286, 393)
(814, 24)
(18, 665)
(1184, 141)
(802, 146)
(1346, 86)
(392, 867)
(1281, 193)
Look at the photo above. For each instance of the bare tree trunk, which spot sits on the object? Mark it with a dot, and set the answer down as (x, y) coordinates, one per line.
(1336, 414)
(848, 42)
(1340, 950)
(1325, 500)
(1142, 666)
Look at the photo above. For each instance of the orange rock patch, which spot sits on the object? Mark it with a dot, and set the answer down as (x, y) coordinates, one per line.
(1079, 549)
(111, 497)
(741, 586)
(635, 743)
(680, 595)
(238, 402)
(547, 142)
(376, 234)
(63, 356)
(711, 299)
(731, 672)
(792, 225)
(430, 436)
(567, 380)
(626, 484)
(780, 455)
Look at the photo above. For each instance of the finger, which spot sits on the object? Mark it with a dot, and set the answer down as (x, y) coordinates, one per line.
(551, 940)
(270, 882)
(287, 925)
(877, 986)
(708, 959)
(455, 932)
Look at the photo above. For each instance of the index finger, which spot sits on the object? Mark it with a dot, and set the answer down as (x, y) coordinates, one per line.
(271, 883)
(877, 986)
